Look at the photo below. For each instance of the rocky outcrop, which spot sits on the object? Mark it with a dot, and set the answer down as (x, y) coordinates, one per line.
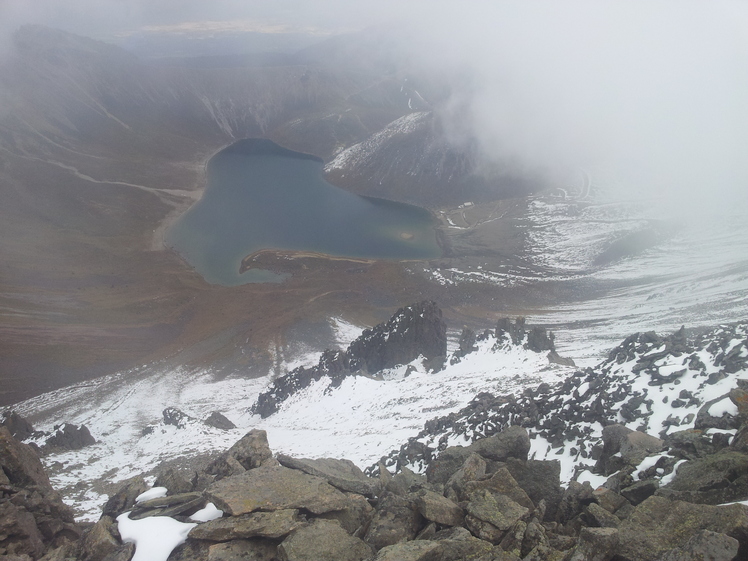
(413, 331)
(70, 437)
(18, 427)
(33, 519)
(217, 420)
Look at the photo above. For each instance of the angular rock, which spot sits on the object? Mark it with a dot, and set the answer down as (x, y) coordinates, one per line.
(246, 550)
(191, 550)
(472, 469)
(447, 464)
(18, 427)
(174, 482)
(224, 466)
(498, 511)
(512, 540)
(406, 482)
(437, 508)
(659, 525)
(71, 437)
(714, 479)
(176, 417)
(541, 480)
(124, 499)
(415, 330)
(596, 544)
(323, 539)
(640, 490)
(20, 535)
(123, 552)
(20, 463)
(343, 474)
(597, 516)
(633, 446)
(502, 483)
(171, 505)
(609, 500)
(534, 537)
(576, 497)
(274, 525)
(468, 547)
(408, 551)
(252, 450)
(395, 520)
(219, 421)
(512, 442)
(355, 517)
(274, 488)
(705, 545)
(544, 553)
(98, 542)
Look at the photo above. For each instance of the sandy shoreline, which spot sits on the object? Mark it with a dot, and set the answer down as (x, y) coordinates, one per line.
(158, 238)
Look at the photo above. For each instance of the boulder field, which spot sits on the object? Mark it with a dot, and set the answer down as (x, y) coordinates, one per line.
(486, 502)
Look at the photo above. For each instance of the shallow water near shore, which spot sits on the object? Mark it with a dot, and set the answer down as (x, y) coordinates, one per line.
(263, 196)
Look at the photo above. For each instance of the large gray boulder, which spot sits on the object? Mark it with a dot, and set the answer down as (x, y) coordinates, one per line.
(20, 463)
(705, 545)
(323, 539)
(502, 483)
(275, 524)
(512, 442)
(395, 520)
(541, 480)
(246, 550)
(436, 508)
(343, 474)
(409, 551)
(714, 479)
(490, 516)
(274, 488)
(252, 450)
(596, 544)
(355, 517)
(658, 525)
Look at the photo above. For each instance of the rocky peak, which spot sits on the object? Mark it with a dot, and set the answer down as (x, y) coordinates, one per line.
(413, 331)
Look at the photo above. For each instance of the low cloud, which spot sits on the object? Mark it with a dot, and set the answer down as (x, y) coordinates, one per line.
(648, 95)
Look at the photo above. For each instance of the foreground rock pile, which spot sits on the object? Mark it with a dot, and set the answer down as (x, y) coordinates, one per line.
(484, 502)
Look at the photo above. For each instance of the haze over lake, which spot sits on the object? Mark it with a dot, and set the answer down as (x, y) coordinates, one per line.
(263, 196)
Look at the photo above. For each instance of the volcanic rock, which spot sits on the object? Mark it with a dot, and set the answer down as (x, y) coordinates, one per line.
(19, 427)
(323, 539)
(20, 463)
(247, 550)
(274, 488)
(413, 331)
(343, 474)
(219, 421)
(275, 524)
(705, 545)
(71, 437)
(396, 519)
(252, 450)
(437, 508)
(512, 442)
(659, 525)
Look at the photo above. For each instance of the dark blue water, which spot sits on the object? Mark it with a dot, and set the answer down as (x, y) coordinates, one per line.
(262, 196)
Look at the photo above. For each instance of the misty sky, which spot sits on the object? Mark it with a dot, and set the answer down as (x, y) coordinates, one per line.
(647, 94)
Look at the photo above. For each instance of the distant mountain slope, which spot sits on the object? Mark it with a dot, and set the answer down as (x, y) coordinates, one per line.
(412, 160)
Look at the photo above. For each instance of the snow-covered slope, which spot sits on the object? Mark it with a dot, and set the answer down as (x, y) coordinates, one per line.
(658, 385)
(360, 420)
